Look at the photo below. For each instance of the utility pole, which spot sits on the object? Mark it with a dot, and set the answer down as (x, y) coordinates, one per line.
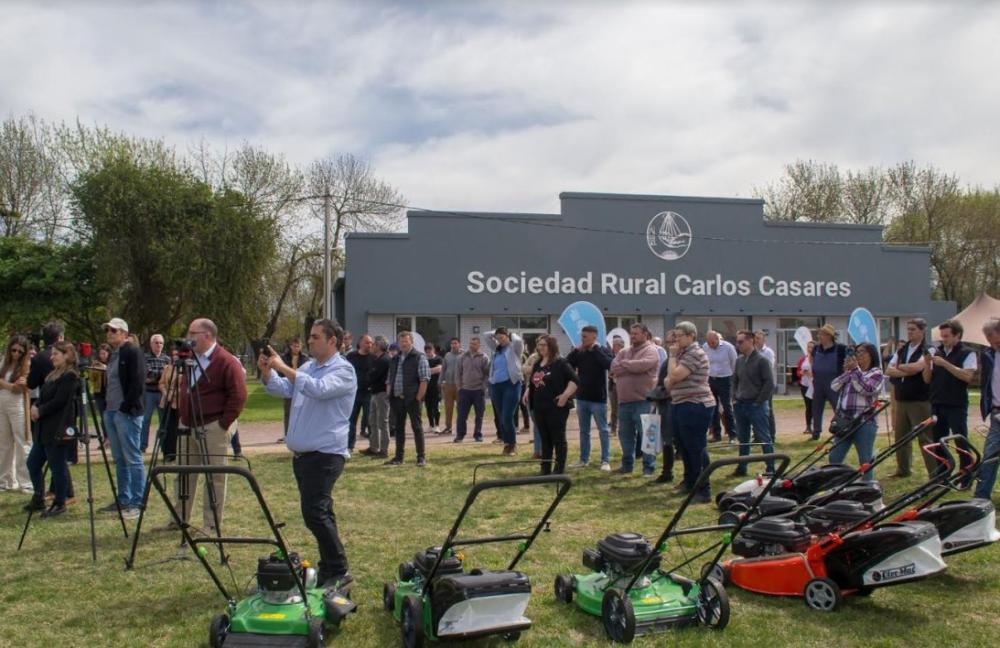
(327, 284)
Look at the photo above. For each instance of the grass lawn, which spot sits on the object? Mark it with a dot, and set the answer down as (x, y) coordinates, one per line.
(53, 595)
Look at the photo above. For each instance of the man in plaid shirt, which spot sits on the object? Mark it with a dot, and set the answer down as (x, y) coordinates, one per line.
(409, 374)
(156, 360)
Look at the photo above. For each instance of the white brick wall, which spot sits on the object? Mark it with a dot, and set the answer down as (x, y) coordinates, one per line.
(383, 325)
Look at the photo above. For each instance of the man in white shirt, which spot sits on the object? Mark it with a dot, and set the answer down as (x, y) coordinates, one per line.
(948, 372)
(721, 364)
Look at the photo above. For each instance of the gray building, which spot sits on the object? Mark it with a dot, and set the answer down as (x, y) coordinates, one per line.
(655, 259)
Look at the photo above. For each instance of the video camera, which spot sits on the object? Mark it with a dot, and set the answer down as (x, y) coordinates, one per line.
(261, 346)
(184, 347)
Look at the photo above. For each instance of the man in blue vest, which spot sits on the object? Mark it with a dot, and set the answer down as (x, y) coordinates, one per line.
(948, 371)
(989, 406)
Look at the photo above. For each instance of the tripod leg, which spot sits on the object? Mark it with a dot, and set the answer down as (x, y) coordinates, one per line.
(31, 511)
(130, 561)
(90, 498)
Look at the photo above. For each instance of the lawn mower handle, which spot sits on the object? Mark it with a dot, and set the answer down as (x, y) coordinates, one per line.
(783, 461)
(209, 470)
(563, 483)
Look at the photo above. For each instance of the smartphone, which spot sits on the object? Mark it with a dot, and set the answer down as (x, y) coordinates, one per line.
(261, 346)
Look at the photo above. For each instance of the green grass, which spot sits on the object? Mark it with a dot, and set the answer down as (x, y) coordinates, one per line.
(261, 407)
(53, 595)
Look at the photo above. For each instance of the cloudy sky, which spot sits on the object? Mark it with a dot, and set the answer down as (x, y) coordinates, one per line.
(500, 106)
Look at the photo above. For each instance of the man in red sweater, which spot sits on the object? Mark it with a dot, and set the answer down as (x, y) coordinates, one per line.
(209, 405)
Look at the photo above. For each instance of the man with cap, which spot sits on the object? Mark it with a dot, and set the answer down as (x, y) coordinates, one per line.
(827, 363)
(126, 374)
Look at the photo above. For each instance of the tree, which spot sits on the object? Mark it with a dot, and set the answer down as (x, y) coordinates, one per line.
(347, 195)
(42, 281)
(30, 200)
(170, 248)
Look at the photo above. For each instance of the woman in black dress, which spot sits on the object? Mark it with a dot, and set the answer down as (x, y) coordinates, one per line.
(55, 412)
(550, 392)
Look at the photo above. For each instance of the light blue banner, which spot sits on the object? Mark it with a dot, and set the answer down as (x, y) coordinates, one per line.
(862, 327)
(580, 314)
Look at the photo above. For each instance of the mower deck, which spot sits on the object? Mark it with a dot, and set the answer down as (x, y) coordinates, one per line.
(659, 601)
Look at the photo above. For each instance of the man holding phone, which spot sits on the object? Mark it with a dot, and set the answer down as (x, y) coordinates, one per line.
(322, 392)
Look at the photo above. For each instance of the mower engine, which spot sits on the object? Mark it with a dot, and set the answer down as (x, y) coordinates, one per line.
(771, 537)
(619, 554)
(276, 584)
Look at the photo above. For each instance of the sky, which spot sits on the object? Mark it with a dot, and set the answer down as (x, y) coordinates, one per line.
(499, 106)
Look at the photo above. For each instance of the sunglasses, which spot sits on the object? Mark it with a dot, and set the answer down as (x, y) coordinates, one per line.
(111, 330)
(17, 350)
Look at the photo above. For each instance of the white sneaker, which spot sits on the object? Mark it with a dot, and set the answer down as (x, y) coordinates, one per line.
(28, 490)
(605, 467)
(131, 513)
(434, 430)
(578, 464)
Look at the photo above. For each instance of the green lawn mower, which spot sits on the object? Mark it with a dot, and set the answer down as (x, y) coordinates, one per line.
(287, 608)
(631, 591)
(436, 598)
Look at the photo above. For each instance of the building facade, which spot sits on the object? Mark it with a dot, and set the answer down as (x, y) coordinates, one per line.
(655, 259)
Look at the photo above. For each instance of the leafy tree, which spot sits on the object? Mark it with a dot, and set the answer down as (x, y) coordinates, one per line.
(170, 248)
(41, 281)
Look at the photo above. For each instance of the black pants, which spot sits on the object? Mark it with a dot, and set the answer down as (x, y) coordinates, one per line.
(552, 431)
(362, 406)
(667, 438)
(432, 401)
(55, 455)
(399, 410)
(315, 474)
(809, 407)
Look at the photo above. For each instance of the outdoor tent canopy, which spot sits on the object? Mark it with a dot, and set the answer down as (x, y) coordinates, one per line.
(973, 318)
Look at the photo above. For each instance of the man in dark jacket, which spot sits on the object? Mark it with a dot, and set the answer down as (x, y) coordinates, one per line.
(948, 371)
(753, 385)
(123, 416)
(592, 362)
(989, 406)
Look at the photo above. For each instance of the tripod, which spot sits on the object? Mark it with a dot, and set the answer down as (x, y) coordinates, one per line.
(183, 374)
(84, 401)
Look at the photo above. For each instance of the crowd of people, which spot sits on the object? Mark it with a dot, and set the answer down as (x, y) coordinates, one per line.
(336, 393)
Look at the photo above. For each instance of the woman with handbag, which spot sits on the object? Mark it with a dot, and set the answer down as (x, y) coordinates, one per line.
(859, 387)
(550, 395)
(55, 412)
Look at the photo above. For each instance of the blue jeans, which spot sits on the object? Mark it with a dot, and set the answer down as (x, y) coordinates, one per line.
(988, 473)
(470, 398)
(55, 455)
(630, 435)
(150, 403)
(505, 396)
(599, 411)
(690, 422)
(125, 433)
(753, 416)
(864, 441)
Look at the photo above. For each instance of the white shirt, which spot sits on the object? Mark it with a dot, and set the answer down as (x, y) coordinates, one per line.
(910, 349)
(721, 359)
(201, 361)
(971, 360)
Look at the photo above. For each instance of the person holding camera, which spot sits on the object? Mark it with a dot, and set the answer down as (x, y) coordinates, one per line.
(211, 399)
(322, 392)
(54, 412)
(126, 375)
(859, 386)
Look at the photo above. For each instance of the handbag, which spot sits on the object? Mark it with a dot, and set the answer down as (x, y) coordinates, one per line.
(658, 394)
(842, 422)
(650, 433)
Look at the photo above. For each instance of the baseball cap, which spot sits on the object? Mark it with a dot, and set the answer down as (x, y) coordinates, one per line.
(115, 323)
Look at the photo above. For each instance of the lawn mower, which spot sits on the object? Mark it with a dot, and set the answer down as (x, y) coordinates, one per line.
(287, 608)
(631, 591)
(968, 524)
(804, 478)
(781, 556)
(435, 597)
(844, 483)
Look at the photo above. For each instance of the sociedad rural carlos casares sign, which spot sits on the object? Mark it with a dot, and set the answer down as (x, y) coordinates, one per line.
(668, 236)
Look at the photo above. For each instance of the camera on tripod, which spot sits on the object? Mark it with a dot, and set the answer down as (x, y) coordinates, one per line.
(184, 347)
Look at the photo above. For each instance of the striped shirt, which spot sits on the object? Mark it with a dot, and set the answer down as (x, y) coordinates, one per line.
(858, 389)
(694, 388)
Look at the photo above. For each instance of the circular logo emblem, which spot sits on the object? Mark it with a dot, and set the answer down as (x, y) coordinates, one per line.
(668, 235)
